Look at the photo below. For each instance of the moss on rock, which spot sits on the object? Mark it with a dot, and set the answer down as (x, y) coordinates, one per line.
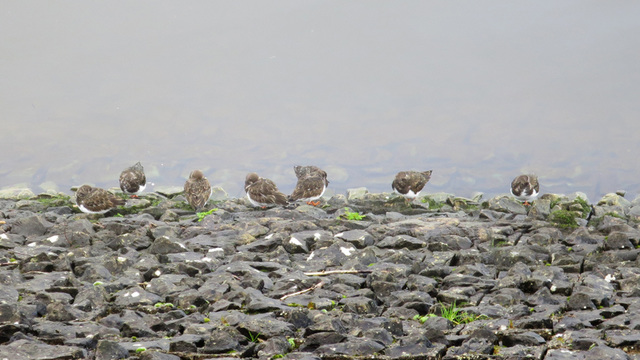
(563, 219)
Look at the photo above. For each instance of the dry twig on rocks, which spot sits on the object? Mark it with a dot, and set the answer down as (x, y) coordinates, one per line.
(302, 291)
(331, 272)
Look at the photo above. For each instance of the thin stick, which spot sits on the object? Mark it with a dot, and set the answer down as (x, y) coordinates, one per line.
(302, 291)
(330, 272)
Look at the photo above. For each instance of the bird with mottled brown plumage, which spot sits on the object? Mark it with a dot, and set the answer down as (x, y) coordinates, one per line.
(263, 192)
(525, 188)
(93, 200)
(410, 183)
(311, 185)
(197, 190)
(132, 180)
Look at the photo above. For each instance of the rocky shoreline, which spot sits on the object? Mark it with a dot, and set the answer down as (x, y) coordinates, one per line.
(363, 276)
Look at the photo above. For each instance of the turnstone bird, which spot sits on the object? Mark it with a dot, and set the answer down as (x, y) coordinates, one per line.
(302, 171)
(132, 180)
(410, 183)
(197, 190)
(262, 192)
(525, 188)
(312, 182)
(93, 200)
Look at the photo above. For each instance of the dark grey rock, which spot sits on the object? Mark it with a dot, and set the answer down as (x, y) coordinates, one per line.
(528, 338)
(601, 290)
(504, 297)
(296, 244)
(353, 346)
(551, 277)
(335, 255)
(108, 349)
(438, 323)
(314, 341)
(135, 296)
(28, 349)
(221, 341)
(564, 354)
(449, 242)
(417, 300)
(416, 345)
(130, 240)
(520, 351)
(34, 225)
(359, 305)
(273, 346)
(63, 312)
(479, 342)
(622, 338)
(507, 204)
(132, 347)
(618, 240)
(267, 326)
(9, 313)
(534, 321)
(401, 242)
(186, 343)
(507, 257)
(166, 245)
(156, 355)
(540, 209)
(581, 301)
(605, 352)
(263, 245)
(423, 283)
(359, 238)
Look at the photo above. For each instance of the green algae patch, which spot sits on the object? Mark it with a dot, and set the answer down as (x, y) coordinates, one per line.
(586, 208)
(563, 219)
(433, 204)
(53, 200)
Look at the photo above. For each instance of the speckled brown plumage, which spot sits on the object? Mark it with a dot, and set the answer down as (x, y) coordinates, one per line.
(93, 200)
(312, 183)
(525, 187)
(304, 171)
(133, 180)
(263, 192)
(410, 183)
(197, 190)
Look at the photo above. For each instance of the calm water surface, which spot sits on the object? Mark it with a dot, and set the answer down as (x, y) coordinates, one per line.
(478, 92)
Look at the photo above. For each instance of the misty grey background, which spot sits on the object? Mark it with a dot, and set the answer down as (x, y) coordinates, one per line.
(477, 91)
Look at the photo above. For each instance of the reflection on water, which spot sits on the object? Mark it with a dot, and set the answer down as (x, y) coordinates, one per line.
(476, 92)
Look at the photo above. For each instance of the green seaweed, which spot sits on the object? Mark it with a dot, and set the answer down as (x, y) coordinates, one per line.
(433, 205)
(352, 215)
(54, 200)
(586, 209)
(554, 202)
(202, 215)
(563, 219)
(452, 313)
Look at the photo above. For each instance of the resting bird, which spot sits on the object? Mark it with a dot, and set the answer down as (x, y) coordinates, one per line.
(525, 188)
(304, 171)
(93, 200)
(132, 180)
(410, 183)
(262, 192)
(197, 190)
(312, 183)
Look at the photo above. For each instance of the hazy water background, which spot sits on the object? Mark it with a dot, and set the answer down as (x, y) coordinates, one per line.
(477, 91)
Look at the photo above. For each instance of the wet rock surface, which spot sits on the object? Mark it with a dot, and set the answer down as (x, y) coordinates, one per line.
(363, 276)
